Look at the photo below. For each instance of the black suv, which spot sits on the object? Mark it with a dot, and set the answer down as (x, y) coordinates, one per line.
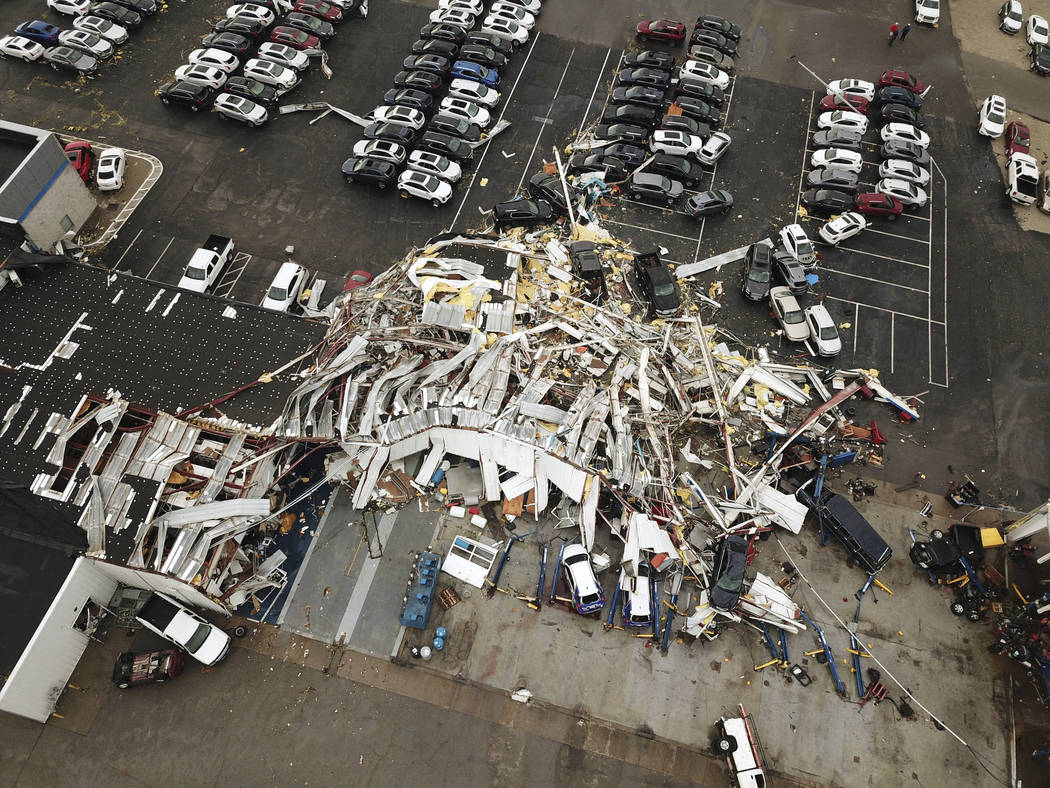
(366, 170)
(252, 89)
(587, 265)
(658, 285)
(189, 94)
(758, 270)
(522, 213)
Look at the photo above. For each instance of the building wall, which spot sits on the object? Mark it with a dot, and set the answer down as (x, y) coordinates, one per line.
(65, 207)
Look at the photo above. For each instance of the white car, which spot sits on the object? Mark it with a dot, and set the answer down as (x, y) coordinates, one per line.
(434, 164)
(239, 108)
(475, 7)
(216, 58)
(22, 48)
(499, 26)
(638, 598)
(927, 12)
(1011, 17)
(797, 244)
(102, 27)
(714, 148)
(474, 91)
(458, 17)
(905, 132)
(843, 120)
(704, 73)
(110, 173)
(399, 116)
(251, 11)
(513, 13)
(412, 183)
(532, 6)
(908, 193)
(285, 288)
(822, 330)
(905, 171)
(1037, 31)
(587, 596)
(675, 143)
(209, 76)
(991, 120)
(94, 45)
(284, 55)
(380, 149)
(70, 7)
(836, 158)
(789, 314)
(269, 73)
(466, 110)
(843, 226)
(852, 88)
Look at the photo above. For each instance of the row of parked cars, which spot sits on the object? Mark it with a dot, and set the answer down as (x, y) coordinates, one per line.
(1024, 185)
(252, 57)
(443, 101)
(97, 28)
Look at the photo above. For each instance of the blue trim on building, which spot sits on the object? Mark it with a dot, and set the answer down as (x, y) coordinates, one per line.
(43, 191)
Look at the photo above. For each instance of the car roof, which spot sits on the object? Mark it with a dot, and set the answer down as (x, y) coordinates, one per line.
(286, 272)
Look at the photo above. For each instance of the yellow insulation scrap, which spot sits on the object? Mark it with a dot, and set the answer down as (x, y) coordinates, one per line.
(526, 292)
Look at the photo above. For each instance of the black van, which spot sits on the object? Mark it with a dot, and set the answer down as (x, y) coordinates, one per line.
(838, 516)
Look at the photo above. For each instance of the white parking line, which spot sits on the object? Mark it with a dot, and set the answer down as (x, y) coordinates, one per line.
(543, 126)
(157, 262)
(124, 254)
(856, 323)
(893, 331)
(805, 158)
(714, 169)
(484, 153)
(876, 281)
(647, 229)
(920, 318)
(882, 257)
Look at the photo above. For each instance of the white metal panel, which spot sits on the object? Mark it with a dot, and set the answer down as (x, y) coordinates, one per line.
(469, 561)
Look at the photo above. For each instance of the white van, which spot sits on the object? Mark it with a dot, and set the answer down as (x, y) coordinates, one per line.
(738, 742)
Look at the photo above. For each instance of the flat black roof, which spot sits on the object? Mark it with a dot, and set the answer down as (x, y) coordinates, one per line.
(13, 152)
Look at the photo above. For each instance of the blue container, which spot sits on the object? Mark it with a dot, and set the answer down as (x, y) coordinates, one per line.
(439, 644)
(441, 632)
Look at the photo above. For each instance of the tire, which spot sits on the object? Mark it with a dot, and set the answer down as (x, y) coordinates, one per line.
(670, 201)
(221, 116)
(160, 680)
(436, 203)
(380, 186)
(27, 59)
(936, 533)
(194, 108)
(164, 100)
(726, 745)
(240, 631)
(403, 194)
(958, 608)
(124, 685)
(348, 179)
(974, 615)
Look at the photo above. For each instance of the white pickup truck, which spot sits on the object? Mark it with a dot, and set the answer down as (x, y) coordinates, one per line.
(207, 263)
(204, 641)
(1022, 178)
(738, 741)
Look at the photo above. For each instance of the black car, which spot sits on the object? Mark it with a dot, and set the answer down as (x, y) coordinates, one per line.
(650, 186)
(621, 132)
(758, 270)
(548, 188)
(362, 169)
(252, 89)
(826, 201)
(189, 94)
(719, 25)
(492, 41)
(707, 203)
(521, 213)
(631, 155)
(485, 56)
(897, 95)
(242, 26)
(445, 145)
(615, 169)
(727, 576)
(641, 95)
(436, 46)
(419, 80)
(68, 59)
(685, 123)
(677, 168)
(657, 284)
(830, 178)
(391, 132)
(1041, 59)
(649, 58)
(700, 90)
(587, 265)
(309, 24)
(790, 272)
(643, 76)
(416, 99)
(435, 64)
(898, 113)
(943, 551)
(699, 110)
(228, 42)
(122, 16)
(710, 38)
(443, 32)
(457, 127)
(899, 149)
(143, 7)
(837, 138)
(629, 113)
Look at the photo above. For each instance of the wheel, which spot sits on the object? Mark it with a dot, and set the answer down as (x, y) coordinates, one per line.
(164, 100)
(348, 179)
(221, 116)
(404, 194)
(436, 203)
(380, 186)
(194, 107)
(670, 201)
(124, 685)
(958, 608)
(973, 615)
(936, 533)
(240, 631)
(726, 744)
(160, 680)
(27, 59)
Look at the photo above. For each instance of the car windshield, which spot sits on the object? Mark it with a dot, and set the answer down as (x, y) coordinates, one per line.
(193, 272)
(759, 275)
(664, 289)
(195, 642)
(1021, 138)
(730, 584)
(277, 293)
(257, 88)
(298, 35)
(829, 332)
(995, 117)
(792, 318)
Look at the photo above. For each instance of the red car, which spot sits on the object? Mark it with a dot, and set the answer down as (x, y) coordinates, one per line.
(833, 102)
(294, 37)
(875, 204)
(662, 30)
(1018, 139)
(357, 279)
(319, 8)
(157, 667)
(79, 154)
(901, 79)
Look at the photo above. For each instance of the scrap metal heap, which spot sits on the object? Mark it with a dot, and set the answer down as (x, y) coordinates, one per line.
(486, 348)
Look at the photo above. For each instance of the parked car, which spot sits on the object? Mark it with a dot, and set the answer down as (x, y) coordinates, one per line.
(657, 285)
(901, 79)
(713, 39)
(910, 195)
(357, 279)
(826, 201)
(684, 123)
(109, 175)
(643, 76)
(547, 187)
(466, 111)
(615, 168)
(512, 12)
(706, 54)
(433, 164)
(247, 28)
(852, 87)
(294, 37)
(677, 168)
(876, 204)
(122, 16)
(1018, 138)
(638, 94)
(831, 178)
(485, 56)
(173, 621)
(504, 28)
(927, 12)
(709, 202)
(225, 61)
(435, 64)
(905, 132)
(991, 119)
(638, 599)
(649, 58)
(457, 127)
(587, 595)
(460, 17)
(788, 313)
(377, 172)
(419, 80)
(631, 155)
(690, 88)
(201, 75)
(675, 143)
(436, 46)
(758, 270)
(406, 97)
(380, 149)
(650, 186)
(822, 330)
(502, 45)
(1037, 30)
(69, 59)
(621, 132)
(286, 287)
(833, 103)
(661, 30)
(898, 113)
(522, 213)
(843, 121)
(133, 670)
(896, 94)
(445, 145)
(719, 25)
(704, 72)
(727, 573)
(80, 156)
(233, 43)
(1011, 17)
(842, 227)
(253, 90)
(143, 7)
(234, 107)
(399, 116)
(836, 158)
(1040, 55)
(699, 110)
(284, 55)
(895, 149)
(475, 7)
(392, 132)
(837, 138)
(101, 27)
(1044, 192)
(188, 94)
(714, 148)
(629, 113)
(464, 69)
(21, 48)
(797, 244)
(474, 91)
(326, 12)
(70, 7)
(310, 24)
(39, 31)
(251, 11)
(905, 170)
(281, 78)
(790, 272)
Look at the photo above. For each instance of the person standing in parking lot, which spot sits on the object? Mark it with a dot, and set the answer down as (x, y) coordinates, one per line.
(894, 30)
(904, 31)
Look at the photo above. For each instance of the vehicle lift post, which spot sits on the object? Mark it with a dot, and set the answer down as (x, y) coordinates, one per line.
(557, 574)
(543, 576)
(615, 601)
(494, 582)
(818, 487)
(654, 607)
(676, 586)
(827, 653)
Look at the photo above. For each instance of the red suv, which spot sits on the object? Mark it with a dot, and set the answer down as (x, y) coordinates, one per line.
(901, 79)
(875, 204)
(661, 30)
(1018, 139)
(79, 154)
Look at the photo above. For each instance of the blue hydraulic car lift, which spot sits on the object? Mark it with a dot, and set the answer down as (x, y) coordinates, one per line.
(615, 603)
(494, 582)
(557, 575)
(676, 586)
(827, 653)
